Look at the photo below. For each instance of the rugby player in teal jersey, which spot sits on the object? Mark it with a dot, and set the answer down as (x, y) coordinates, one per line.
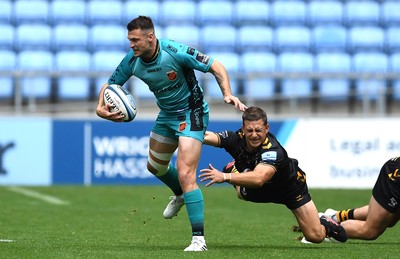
(167, 67)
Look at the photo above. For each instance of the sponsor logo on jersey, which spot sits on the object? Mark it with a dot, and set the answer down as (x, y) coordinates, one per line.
(270, 155)
(172, 75)
(202, 58)
(182, 126)
(173, 49)
(190, 51)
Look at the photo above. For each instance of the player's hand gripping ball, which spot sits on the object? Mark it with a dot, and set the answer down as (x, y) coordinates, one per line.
(121, 100)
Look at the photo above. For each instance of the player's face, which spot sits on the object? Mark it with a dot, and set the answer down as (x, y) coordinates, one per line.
(255, 133)
(140, 42)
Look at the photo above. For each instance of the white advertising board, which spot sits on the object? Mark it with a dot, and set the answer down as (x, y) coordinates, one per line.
(343, 153)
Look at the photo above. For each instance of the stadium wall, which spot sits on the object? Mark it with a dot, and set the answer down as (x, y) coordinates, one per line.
(334, 153)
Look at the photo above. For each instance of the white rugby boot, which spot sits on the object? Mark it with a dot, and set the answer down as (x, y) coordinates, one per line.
(198, 245)
(173, 206)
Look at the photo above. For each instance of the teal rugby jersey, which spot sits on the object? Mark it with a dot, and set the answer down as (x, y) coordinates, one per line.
(170, 77)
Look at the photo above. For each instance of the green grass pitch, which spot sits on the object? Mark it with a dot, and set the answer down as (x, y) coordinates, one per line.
(126, 222)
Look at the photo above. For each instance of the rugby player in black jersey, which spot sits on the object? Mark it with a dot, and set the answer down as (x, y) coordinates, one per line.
(265, 174)
(382, 212)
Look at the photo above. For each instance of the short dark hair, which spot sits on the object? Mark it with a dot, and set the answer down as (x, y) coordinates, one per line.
(141, 22)
(254, 114)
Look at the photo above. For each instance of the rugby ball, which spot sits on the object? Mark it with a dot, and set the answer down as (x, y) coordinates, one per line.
(121, 100)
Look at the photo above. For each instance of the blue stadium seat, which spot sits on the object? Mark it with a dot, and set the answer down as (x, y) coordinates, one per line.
(72, 87)
(36, 61)
(6, 7)
(178, 12)
(292, 38)
(255, 86)
(8, 62)
(248, 41)
(104, 12)
(33, 36)
(186, 34)
(251, 12)
(333, 89)
(6, 36)
(105, 62)
(390, 13)
(370, 62)
(218, 37)
(210, 12)
(362, 12)
(288, 11)
(231, 62)
(325, 12)
(115, 39)
(31, 11)
(134, 8)
(329, 38)
(70, 37)
(395, 68)
(71, 11)
(364, 38)
(393, 39)
(295, 62)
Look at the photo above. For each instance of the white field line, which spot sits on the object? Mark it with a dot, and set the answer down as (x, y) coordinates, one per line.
(6, 241)
(38, 195)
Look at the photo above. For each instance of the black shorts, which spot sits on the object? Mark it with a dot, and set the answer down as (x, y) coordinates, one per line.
(387, 187)
(293, 194)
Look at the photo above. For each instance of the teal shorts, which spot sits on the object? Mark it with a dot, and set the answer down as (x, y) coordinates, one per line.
(192, 123)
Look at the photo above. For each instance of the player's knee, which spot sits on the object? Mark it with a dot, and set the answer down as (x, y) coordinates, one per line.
(156, 168)
(314, 236)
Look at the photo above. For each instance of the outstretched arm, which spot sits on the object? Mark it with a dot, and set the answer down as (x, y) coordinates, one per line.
(211, 139)
(220, 74)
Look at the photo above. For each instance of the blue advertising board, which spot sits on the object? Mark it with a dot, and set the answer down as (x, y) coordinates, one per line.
(103, 152)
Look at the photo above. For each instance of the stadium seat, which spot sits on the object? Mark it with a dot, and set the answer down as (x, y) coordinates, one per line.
(292, 38)
(6, 36)
(72, 87)
(251, 12)
(186, 34)
(253, 64)
(390, 13)
(38, 86)
(8, 61)
(70, 37)
(72, 11)
(296, 62)
(333, 89)
(134, 8)
(329, 38)
(6, 7)
(366, 38)
(325, 12)
(288, 12)
(104, 12)
(178, 12)
(231, 62)
(31, 11)
(361, 13)
(210, 12)
(393, 39)
(105, 62)
(218, 37)
(254, 37)
(33, 37)
(115, 39)
(370, 62)
(395, 68)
